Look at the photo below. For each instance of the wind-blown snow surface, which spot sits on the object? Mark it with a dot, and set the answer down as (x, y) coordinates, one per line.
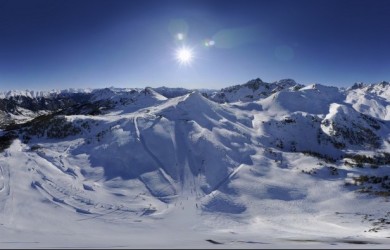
(184, 171)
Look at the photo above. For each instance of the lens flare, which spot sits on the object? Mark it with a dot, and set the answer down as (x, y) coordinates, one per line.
(209, 43)
(180, 36)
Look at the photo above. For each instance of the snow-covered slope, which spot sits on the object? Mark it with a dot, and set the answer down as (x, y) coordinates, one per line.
(295, 167)
(313, 99)
(372, 100)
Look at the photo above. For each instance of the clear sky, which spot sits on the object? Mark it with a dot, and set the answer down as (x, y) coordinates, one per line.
(58, 44)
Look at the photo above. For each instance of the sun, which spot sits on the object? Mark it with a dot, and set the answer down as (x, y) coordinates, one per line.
(184, 55)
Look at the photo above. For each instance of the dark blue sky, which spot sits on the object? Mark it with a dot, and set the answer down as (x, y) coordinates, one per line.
(57, 44)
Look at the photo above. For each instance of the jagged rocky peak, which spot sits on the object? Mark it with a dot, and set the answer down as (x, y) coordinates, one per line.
(254, 83)
(288, 82)
(358, 85)
(370, 87)
(384, 83)
(382, 87)
(254, 89)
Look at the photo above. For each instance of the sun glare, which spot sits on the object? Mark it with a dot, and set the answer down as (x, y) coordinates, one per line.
(184, 55)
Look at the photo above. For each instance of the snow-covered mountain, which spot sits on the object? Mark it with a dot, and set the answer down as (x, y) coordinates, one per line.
(277, 163)
(253, 90)
(373, 99)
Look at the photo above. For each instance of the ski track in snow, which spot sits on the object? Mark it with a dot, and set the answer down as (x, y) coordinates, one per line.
(159, 163)
(5, 190)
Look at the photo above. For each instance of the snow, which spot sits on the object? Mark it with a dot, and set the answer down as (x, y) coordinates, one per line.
(252, 90)
(373, 100)
(183, 171)
(314, 99)
(38, 94)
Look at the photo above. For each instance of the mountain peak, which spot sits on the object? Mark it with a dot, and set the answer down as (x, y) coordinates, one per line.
(287, 81)
(384, 83)
(195, 98)
(254, 89)
(357, 85)
(148, 91)
(254, 83)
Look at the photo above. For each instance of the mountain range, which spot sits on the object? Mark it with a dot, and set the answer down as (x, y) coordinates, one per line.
(259, 164)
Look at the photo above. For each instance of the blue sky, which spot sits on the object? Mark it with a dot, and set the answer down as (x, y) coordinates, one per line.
(56, 44)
